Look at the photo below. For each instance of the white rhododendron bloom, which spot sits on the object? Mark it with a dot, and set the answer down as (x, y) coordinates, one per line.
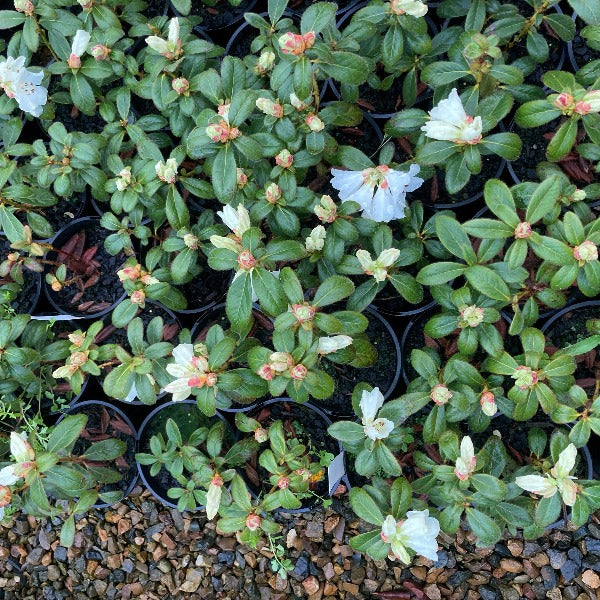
(166, 172)
(23, 455)
(237, 219)
(78, 48)
(417, 532)
(449, 121)
(378, 267)
(333, 343)
(559, 478)
(414, 8)
(380, 191)
(370, 403)
(213, 496)
(171, 47)
(190, 371)
(466, 462)
(23, 85)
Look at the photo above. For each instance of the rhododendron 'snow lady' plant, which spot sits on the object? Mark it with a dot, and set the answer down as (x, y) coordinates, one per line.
(449, 121)
(191, 372)
(380, 191)
(417, 532)
(466, 462)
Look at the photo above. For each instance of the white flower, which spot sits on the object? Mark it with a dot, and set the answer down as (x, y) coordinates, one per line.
(417, 532)
(378, 267)
(238, 220)
(170, 48)
(254, 296)
(466, 462)
(558, 480)
(449, 121)
(23, 85)
(190, 371)
(385, 203)
(166, 172)
(213, 500)
(370, 403)
(415, 8)
(316, 240)
(80, 42)
(23, 455)
(333, 343)
(123, 180)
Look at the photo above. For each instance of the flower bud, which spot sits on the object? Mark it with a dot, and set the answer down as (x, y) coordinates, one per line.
(253, 522)
(303, 312)
(284, 159)
(265, 372)
(265, 62)
(166, 172)
(245, 260)
(181, 85)
(211, 379)
(471, 316)
(24, 6)
(564, 101)
(241, 178)
(273, 193)
(5, 496)
(138, 297)
(586, 251)
(124, 179)
(74, 61)
(523, 231)
(488, 404)
(295, 43)
(223, 110)
(130, 273)
(440, 394)
(297, 103)
(191, 241)
(261, 435)
(326, 210)
(283, 482)
(281, 361)
(217, 480)
(274, 109)
(56, 285)
(100, 52)
(582, 108)
(299, 372)
(314, 123)
(578, 195)
(76, 339)
(525, 377)
(77, 359)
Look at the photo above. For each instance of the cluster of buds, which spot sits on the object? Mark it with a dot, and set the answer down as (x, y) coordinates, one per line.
(166, 172)
(78, 47)
(25, 6)
(295, 43)
(261, 435)
(265, 62)
(191, 241)
(326, 210)
(304, 313)
(253, 522)
(525, 377)
(440, 394)
(136, 273)
(471, 316)
(222, 132)
(566, 103)
(269, 107)
(181, 85)
(246, 260)
(138, 297)
(585, 252)
(100, 52)
(279, 363)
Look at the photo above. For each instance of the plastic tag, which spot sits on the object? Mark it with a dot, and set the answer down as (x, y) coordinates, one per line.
(335, 472)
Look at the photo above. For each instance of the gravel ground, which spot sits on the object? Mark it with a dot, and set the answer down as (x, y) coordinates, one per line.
(139, 549)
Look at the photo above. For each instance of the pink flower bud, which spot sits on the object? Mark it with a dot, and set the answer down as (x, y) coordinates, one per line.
(253, 522)
(314, 123)
(523, 230)
(261, 435)
(181, 85)
(299, 372)
(440, 394)
(241, 178)
(100, 52)
(217, 480)
(265, 372)
(283, 483)
(564, 101)
(273, 193)
(586, 251)
(284, 159)
(303, 312)
(211, 379)
(582, 108)
(74, 61)
(138, 297)
(296, 44)
(245, 260)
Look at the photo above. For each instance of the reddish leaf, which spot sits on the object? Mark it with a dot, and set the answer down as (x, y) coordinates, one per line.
(104, 420)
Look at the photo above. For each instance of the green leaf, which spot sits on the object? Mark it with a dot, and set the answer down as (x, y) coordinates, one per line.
(105, 450)
(440, 272)
(365, 507)
(332, 290)
(303, 77)
(347, 431)
(223, 174)
(66, 433)
(11, 18)
(454, 238)
(489, 486)
(507, 145)
(441, 73)
(317, 16)
(484, 527)
(67, 531)
(543, 199)
(588, 11)
(488, 282)
(238, 304)
(82, 94)
(269, 291)
(536, 113)
(346, 67)
(563, 140)
(401, 497)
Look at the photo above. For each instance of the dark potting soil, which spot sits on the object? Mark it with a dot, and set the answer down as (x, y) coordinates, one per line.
(188, 418)
(534, 148)
(207, 288)
(381, 374)
(103, 423)
(390, 302)
(569, 329)
(241, 43)
(555, 57)
(309, 428)
(60, 214)
(155, 8)
(222, 15)
(582, 53)
(28, 295)
(74, 120)
(108, 288)
(433, 191)
(364, 137)
(381, 101)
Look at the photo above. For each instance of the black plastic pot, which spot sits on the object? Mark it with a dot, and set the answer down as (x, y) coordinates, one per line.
(339, 406)
(315, 419)
(155, 423)
(573, 47)
(110, 274)
(91, 406)
(146, 314)
(560, 315)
